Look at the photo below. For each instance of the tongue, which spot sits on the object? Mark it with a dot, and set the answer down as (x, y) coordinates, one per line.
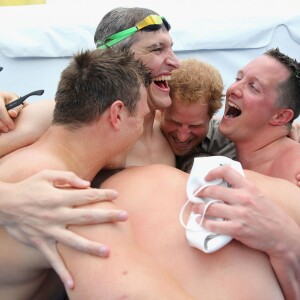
(161, 84)
(233, 112)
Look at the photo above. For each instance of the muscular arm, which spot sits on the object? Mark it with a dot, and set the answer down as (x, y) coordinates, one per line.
(285, 255)
(32, 121)
(256, 221)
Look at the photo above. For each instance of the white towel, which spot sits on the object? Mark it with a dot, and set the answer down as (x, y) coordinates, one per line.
(196, 234)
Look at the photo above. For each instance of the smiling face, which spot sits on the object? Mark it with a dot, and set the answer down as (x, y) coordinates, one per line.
(250, 100)
(185, 125)
(155, 51)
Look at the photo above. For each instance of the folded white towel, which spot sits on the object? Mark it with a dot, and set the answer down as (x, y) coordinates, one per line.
(196, 234)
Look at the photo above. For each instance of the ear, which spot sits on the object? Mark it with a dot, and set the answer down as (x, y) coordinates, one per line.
(283, 116)
(116, 111)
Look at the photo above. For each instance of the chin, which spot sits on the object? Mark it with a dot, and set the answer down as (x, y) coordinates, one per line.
(159, 99)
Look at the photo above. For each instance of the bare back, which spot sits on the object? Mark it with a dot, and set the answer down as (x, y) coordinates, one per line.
(153, 196)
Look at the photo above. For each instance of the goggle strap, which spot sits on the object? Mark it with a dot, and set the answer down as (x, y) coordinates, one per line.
(124, 34)
(119, 36)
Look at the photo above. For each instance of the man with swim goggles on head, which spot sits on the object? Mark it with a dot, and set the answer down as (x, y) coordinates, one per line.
(146, 34)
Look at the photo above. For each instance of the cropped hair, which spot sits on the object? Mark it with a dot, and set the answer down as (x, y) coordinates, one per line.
(197, 81)
(93, 80)
(122, 18)
(288, 91)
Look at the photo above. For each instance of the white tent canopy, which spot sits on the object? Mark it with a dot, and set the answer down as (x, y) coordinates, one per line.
(36, 41)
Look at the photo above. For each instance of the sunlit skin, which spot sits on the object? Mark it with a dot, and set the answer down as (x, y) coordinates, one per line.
(254, 94)
(155, 51)
(185, 125)
(135, 125)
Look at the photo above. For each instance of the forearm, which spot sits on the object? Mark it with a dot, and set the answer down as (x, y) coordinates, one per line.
(287, 269)
(30, 124)
(285, 254)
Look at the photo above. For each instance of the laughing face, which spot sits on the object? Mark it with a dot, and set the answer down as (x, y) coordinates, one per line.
(185, 125)
(250, 100)
(155, 50)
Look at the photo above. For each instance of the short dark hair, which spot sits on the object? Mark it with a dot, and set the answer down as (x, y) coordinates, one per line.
(289, 89)
(122, 18)
(93, 80)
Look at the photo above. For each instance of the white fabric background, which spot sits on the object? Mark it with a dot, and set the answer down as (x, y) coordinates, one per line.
(36, 41)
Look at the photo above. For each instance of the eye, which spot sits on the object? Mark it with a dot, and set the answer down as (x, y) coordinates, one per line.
(195, 126)
(158, 49)
(238, 79)
(176, 123)
(252, 86)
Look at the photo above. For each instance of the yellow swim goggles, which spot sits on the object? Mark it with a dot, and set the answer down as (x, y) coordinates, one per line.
(150, 23)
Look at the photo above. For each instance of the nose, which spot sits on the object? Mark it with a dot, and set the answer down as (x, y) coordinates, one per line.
(235, 89)
(183, 134)
(173, 60)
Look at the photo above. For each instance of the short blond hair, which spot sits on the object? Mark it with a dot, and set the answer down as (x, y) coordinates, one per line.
(197, 81)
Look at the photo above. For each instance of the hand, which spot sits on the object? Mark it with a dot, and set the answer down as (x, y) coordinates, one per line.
(6, 122)
(251, 217)
(37, 212)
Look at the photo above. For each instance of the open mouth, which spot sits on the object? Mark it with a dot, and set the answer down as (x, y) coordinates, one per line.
(181, 144)
(233, 110)
(162, 81)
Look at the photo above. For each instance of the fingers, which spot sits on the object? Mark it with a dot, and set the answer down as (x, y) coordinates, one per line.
(216, 210)
(6, 123)
(230, 175)
(62, 178)
(74, 197)
(48, 248)
(79, 243)
(13, 113)
(88, 216)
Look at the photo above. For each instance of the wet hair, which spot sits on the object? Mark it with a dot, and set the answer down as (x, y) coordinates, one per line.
(122, 18)
(93, 80)
(197, 81)
(288, 90)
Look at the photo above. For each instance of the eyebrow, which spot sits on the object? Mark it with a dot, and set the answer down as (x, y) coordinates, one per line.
(160, 44)
(155, 45)
(239, 72)
(176, 121)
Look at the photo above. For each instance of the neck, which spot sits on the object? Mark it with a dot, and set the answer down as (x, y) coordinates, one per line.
(76, 150)
(148, 125)
(256, 156)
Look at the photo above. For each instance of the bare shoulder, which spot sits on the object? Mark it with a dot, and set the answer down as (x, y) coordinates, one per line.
(280, 191)
(269, 182)
(157, 174)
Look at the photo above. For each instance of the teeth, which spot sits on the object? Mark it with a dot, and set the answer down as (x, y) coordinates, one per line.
(182, 143)
(162, 78)
(233, 105)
